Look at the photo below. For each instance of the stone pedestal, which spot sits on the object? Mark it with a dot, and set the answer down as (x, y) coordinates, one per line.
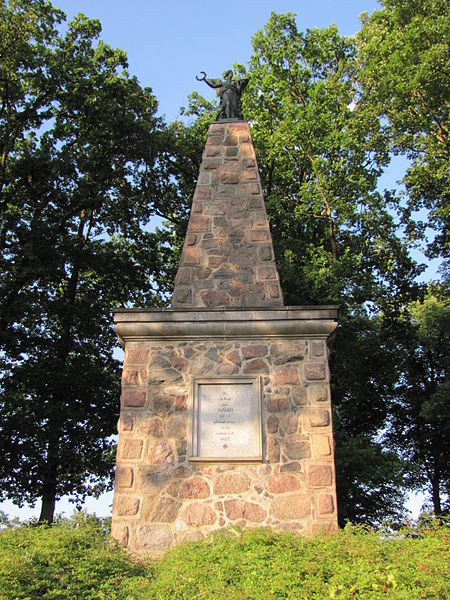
(225, 411)
(164, 494)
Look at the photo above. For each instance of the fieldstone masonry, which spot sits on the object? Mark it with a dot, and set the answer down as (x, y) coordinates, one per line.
(228, 259)
(227, 321)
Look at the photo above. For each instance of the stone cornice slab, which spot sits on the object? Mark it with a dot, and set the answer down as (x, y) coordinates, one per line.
(134, 325)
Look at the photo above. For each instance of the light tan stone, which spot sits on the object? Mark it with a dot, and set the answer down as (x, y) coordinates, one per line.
(292, 506)
(191, 239)
(325, 526)
(314, 371)
(256, 365)
(319, 476)
(199, 514)
(259, 235)
(291, 526)
(231, 140)
(317, 394)
(152, 426)
(326, 504)
(288, 352)
(319, 417)
(247, 150)
(317, 348)
(227, 369)
(283, 483)
(184, 276)
(297, 447)
(164, 510)
(153, 482)
(234, 357)
(189, 536)
(127, 506)
(202, 192)
(160, 452)
(124, 476)
(230, 322)
(136, 355)
(131, 449)
(154, 538)
(265, 273)
(191, 256)
(229, 177)
(285, 375)
(130, 377)
(121, 533)
(321, 445)
(126, 423)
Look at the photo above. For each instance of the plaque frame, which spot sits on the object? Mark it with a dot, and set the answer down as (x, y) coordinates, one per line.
(194, 450)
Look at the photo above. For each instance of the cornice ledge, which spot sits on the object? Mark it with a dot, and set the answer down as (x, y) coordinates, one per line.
(156, 324)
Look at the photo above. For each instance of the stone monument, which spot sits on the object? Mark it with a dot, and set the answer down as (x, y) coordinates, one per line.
(225, 410)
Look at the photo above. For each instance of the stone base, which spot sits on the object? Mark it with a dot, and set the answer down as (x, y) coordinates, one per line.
(163, 495)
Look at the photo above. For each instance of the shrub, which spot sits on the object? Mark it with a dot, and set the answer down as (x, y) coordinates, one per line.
(70, 559)
(74, 559)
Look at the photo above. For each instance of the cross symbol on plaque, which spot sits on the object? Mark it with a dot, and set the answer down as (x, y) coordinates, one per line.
(225, 446)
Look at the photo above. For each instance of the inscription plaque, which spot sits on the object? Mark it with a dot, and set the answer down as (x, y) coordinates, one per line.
(226, 424)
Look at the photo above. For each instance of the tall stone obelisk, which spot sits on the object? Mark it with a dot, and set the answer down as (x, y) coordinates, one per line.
(225, 409)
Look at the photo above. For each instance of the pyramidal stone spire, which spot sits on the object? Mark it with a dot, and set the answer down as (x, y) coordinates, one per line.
(228, 258)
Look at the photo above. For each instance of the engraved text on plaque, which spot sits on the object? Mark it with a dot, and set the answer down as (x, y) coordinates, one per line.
(227, 419)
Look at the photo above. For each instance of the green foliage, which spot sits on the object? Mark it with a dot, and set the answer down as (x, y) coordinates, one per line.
(337, 238)
(81, 167)
(367, 494)
(71, 559)
(320, 155)
(74, 560)
(403, 54)
(420, 422)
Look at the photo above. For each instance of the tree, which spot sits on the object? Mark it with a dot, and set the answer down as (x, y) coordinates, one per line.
(420, 423)
(337, 238)
(80, 178)
(404, 74)
(322, 142)
(370, 475)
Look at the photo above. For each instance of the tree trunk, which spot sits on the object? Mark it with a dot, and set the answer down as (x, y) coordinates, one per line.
(49, 486)
(47, 509)
(436, 496)
(57, 420)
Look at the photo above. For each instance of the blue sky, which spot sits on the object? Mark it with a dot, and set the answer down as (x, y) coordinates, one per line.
(169, 42)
